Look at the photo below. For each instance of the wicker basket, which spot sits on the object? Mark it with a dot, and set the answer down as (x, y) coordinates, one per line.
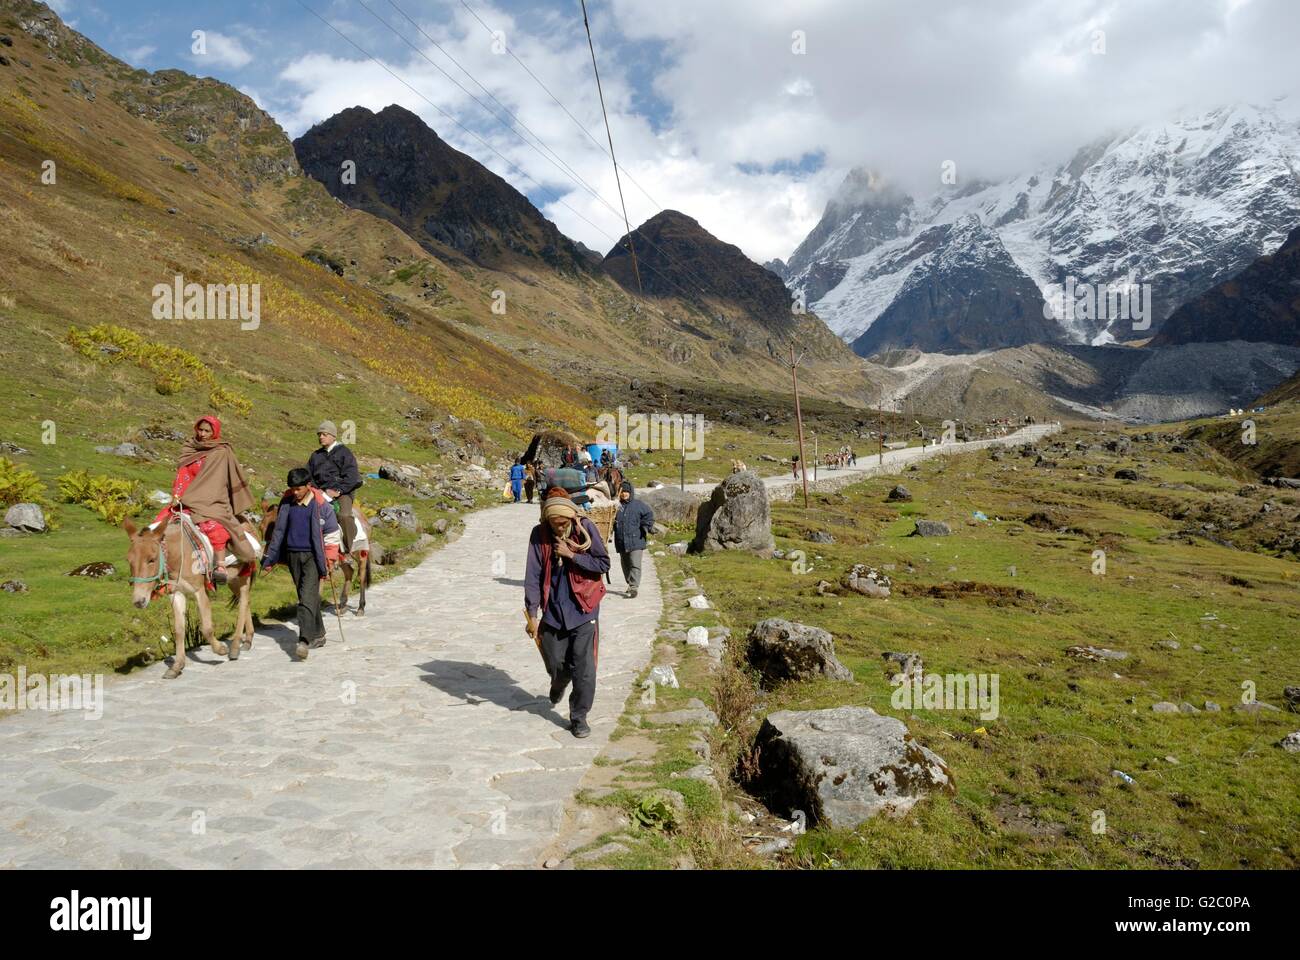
(603, 517)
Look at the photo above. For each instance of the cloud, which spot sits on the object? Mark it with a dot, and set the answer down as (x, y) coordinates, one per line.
(713, 111)
(137, 55)
(223, 51)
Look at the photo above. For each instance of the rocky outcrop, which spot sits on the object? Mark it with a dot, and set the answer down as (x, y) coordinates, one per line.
(736, 517)
(671, 504)
(842, 766)
(782, 651)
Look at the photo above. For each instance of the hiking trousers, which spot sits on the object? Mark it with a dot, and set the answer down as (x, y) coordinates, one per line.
(631, 563)
(306, 580)
(570, 657)
(347, 523)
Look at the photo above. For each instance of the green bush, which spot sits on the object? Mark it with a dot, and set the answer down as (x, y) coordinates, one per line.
(18, 485)
(112, 498)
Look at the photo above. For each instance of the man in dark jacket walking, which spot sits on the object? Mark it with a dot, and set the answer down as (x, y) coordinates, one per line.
(298, 541)
(631, 527)
(563, 587)
(334, 469)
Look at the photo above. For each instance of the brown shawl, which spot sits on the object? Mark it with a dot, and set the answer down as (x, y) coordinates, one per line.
(220, 490)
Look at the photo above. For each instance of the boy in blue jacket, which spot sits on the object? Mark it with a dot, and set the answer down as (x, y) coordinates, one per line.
(298, 541)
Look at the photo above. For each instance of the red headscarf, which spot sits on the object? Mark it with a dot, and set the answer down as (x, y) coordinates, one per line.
(213, 422)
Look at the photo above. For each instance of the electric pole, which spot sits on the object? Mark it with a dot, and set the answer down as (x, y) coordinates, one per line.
(798, 416)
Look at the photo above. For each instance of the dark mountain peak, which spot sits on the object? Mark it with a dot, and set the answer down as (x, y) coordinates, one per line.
(443, 198)
(1260, 304)
(679, 258)
(963, 293)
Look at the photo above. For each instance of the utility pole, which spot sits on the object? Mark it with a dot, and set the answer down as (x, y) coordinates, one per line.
(798, 416)
(683, 467)
(817, 458)
(880, 423)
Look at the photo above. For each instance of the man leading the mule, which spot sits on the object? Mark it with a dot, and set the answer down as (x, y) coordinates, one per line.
(563, 587)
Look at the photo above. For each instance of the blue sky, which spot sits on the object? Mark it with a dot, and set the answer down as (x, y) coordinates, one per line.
(744, 114)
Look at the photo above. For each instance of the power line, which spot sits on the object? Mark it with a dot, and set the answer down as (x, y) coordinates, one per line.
(619, 183)
(561, 165)
(590, 136)
(695, 280)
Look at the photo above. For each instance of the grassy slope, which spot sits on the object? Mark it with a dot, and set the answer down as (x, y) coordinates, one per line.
(1064, 724)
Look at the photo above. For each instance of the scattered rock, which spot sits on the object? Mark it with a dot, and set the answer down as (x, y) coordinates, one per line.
(782, 651)
(1185, 707)
(13, 586)
(679, 548)
(1080, 652)
(1291, 742)
(1164, 706)
(1254, 708)
(842, 766)
(1168, 644)
(26, 516)
(867, 581)
(1212, 707)
(931, 528)
(93, 570)
(1292, 697)
(1126, 474)
(900, 493)
(819, 536)
(698, 602)
(902, 665)
(697, 637)
(400, 515)
(664, 676)
(607, 850)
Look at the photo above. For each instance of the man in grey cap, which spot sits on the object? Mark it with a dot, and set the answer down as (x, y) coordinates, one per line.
(334, 470)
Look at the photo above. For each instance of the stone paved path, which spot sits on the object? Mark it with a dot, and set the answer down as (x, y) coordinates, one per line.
(785, 486)
(424, 740)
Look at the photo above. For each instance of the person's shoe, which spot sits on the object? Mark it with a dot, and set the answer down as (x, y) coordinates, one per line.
(580, 729)
(301, 650)
(631, 592)
(318, 642)
(557, 692)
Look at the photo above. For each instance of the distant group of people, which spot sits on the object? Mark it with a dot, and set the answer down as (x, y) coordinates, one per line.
(315, 514)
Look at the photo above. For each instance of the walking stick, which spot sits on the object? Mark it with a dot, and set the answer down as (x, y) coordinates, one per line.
(335, 597)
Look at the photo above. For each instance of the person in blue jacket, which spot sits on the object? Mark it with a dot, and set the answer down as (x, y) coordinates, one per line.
(517, 478)
(298, 541)
(631, 526)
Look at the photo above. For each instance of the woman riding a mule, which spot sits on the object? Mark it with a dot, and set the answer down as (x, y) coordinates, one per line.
(210, 486)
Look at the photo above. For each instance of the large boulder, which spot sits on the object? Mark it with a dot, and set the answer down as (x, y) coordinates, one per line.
(26, 516)
(781, 651)
(842, 766)
(671, 504)
(931, 528)
(736, 516)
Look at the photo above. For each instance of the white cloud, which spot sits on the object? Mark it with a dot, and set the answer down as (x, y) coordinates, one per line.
(223, 51)
(997, 89)
(137, 55)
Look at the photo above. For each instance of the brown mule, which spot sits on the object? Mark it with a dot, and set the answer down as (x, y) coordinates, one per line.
(163, 557)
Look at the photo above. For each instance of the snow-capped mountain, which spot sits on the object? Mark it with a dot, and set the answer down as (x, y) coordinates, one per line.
(1154, 216)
